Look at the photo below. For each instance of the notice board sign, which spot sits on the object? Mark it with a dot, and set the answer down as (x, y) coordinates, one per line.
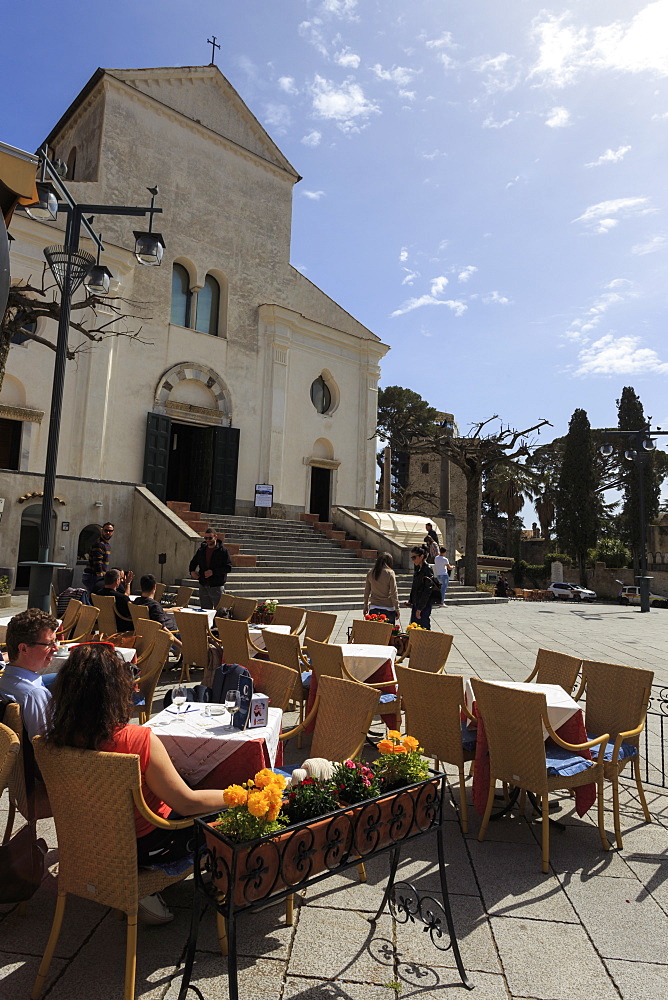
(264, 495)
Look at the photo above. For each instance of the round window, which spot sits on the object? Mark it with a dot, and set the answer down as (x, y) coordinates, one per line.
(321, 397)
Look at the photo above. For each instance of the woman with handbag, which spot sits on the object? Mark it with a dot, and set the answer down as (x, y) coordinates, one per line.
(422, 591)
(380, 589)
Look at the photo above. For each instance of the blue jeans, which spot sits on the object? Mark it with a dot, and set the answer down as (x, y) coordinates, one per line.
(209, 596)
(444, 580)
(423, 620)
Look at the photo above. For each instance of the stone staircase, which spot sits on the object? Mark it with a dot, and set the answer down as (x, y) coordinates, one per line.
(296, 563)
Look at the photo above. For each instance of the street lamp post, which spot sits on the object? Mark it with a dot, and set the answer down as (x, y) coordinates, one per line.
(641, 444)
(69, 266)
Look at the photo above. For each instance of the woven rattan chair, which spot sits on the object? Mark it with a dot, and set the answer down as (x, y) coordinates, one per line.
(93, 795)
(54, 602)
(371, 633)
(159, 591)
(226, 602)
(86, 624)
(514, 723)
(194, 631)
(18, 797)
(616, 702)
(433, 704)
(138, 611)
(10, 748)
(286, 649)
(70, 618)
(243, 608)
(236, 640)
(145, 633)
(556, 668)
(275, 680)
(326, 659)
(319, 625)
(151, 668)
(285, 614)
(182, 596)
(343, 712)
(106, 621)
(427, 650)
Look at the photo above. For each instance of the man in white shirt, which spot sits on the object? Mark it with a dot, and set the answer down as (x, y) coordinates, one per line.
(31, 643)
(442, 570)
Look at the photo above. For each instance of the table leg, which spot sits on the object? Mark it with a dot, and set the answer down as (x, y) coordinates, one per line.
(448, 912)
(192, 945)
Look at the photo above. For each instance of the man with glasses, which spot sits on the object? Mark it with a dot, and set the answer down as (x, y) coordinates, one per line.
(98, 558)
(31, 643)
(210, 566)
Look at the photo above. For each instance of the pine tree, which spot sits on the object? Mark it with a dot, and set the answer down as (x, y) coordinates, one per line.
(631, 417)
(576, 500)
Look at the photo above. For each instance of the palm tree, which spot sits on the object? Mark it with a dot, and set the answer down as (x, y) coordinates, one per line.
(509, 486)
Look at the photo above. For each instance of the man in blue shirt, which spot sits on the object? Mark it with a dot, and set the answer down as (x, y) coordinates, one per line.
(31, 643)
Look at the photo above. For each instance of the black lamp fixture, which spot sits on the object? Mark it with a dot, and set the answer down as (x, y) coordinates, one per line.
(98, 279)
(45, 209)
(150, 246)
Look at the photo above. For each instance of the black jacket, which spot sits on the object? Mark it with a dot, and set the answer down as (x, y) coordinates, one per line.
(423, 585)
(221, 564)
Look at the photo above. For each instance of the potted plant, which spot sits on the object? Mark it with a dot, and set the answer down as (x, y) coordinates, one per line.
(5, 593)
(355, 782)
(400, 762)
(264, 612)
(311, 798)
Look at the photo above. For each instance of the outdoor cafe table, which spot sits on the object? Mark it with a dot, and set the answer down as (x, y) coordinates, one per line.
(566, 718)
(255, 632)
(207, 753)
(129, 654)
(373, 664)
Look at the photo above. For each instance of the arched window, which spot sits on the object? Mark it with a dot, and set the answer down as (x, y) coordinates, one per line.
(208, 306)
(181, 296)
(72, 164)
(321, 397)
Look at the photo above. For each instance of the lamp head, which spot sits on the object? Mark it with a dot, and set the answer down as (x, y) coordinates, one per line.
(648, 444)
(45, 209)
(98, 280)
(606, 449)
(630, 454)
(149, 248)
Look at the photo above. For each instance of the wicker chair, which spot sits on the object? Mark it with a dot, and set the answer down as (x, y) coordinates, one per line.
(194, 631)
(616, 702)
(106, 620)
(427, 650)
(159, 591)
(275, 680)
(151, 668)
(326, 659)
(10, 748)
(371, 633)
(182, 596)
(319, 625)
(18, 797)
(243, 608)
(343, 712)
(102, 868)
(54, 602)
(433, 704)
(286, 649)
(70, 618)
(514, 723)
(236, 641)
(556, 668)
(286, 614)
(145, 632)
(138, 611)
(85, 624)
(226, 601)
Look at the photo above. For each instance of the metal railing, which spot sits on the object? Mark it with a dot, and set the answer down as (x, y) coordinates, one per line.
(654, 750)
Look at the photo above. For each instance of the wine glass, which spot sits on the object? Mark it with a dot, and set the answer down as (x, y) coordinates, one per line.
(232, 704)
(179, 697)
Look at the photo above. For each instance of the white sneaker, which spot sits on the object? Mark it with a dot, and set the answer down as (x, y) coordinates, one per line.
(152, 910)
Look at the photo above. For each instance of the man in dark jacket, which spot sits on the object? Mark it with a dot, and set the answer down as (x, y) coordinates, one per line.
(210, 566)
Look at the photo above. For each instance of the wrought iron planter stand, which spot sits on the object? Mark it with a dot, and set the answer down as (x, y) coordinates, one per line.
(234, 878)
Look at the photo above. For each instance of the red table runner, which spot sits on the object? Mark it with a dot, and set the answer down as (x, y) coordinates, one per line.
(243, 764)
(384, 673)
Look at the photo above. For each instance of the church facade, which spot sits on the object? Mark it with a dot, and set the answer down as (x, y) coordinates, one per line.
(243, 373)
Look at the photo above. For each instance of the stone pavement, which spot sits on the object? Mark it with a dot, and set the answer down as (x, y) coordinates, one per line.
(595, 928)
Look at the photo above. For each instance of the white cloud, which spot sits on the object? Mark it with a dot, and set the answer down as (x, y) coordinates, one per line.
(455, 305)
(652, 246)
(403, 254)
(558, 118)
(466, 272)
(312, 31)
(344, 9)
(494, 298)
(438, 285)
(616, 292)
(287, 83)
(599, 217)
(443, 41)
(513, 181)
(312, 138)
(410, 276)
(610, 156)
(401, 75)
(633, 46)
(619, 356)
(345, 104)
(277, 117)
(314, 195)
(490, 122)
(347, 58)
(660, 117)
(435, 153)
(499, 73)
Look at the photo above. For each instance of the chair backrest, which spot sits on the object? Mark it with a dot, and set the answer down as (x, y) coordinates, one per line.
(10, 746)
(557, 668)
(16, 779)
(226, 601)
(234, 637)
(282, 648)
(616, 697)
(70, 618)
(345, 712)
(433, 704)
(243, 608)
(326, 659)
(319, 625)
(194, 631)
(159, 591)
(285, 614)
(54, 601)
(152, 668)
(145, 632)
(273, 679)
(428, 650)
(183, 595)
(86, 621)
(514, 729)
(138, 611)
(106, 620)
(91, 796)
(371, 633)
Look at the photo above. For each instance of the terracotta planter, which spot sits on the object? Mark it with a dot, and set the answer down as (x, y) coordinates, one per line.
(261, 618)
(5, 600)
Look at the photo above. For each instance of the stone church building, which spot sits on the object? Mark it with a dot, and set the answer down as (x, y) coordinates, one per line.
(245, 372)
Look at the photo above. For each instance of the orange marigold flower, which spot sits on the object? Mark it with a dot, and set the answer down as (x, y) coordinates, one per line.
(385, 746)
(393, 734)
(399, 749)
(235, 795)
(273, 811)
(258, 804)
(266, 777)
(410, 742)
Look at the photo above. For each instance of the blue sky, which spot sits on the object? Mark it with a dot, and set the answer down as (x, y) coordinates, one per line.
(484, 182)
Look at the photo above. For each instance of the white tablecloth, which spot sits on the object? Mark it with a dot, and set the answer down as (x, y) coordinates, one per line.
(255, 632)
(560, 706)
(196, 745)
(363, 660)
(61, 655)
(195, 611)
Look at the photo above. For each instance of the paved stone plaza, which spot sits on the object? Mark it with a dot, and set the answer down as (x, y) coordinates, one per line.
(595, 928)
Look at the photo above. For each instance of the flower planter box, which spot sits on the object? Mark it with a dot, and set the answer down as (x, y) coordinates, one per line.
(261, 618)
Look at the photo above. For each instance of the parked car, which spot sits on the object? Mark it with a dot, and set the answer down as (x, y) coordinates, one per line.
(631, 595)
(570, 592)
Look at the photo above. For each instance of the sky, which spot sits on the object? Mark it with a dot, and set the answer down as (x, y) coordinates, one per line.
(483, 182)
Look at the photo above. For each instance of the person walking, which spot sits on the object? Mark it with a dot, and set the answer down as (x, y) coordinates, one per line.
(98, 558)
(442, 570)
(431, 542)
(380, 589)
(210, 566)
(423, 588)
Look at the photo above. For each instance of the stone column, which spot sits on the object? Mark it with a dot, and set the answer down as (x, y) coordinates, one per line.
(387, 478)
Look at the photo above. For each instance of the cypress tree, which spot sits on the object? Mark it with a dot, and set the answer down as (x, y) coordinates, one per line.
(631, 417)
(576, 499)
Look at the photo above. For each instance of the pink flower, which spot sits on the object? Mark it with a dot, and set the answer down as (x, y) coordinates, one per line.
(349, 764)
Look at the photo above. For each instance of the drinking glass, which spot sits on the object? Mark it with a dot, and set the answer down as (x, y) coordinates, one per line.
(232, 704)
(179, 696)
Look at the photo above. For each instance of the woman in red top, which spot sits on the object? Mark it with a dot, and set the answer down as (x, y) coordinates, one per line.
(92, 699)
